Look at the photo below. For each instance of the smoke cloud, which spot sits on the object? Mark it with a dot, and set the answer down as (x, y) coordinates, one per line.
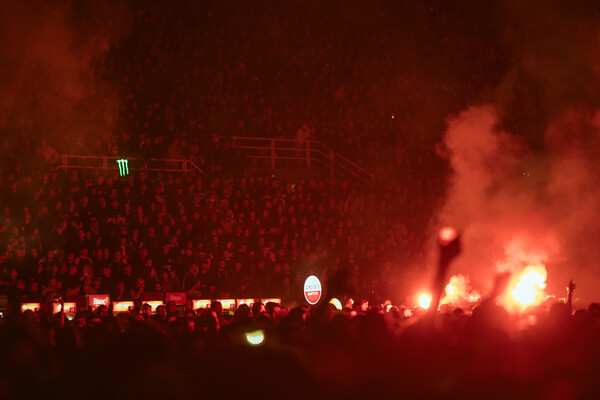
(492, 199)
(524, 187)
(517, 208)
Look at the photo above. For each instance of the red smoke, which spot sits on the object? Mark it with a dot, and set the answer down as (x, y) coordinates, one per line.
(517, 208)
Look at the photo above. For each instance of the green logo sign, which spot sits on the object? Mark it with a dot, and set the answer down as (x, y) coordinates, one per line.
(123, 167)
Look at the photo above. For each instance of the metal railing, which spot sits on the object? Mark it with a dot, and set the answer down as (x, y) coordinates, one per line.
(109, 164)
(263, 152)
(290, 153)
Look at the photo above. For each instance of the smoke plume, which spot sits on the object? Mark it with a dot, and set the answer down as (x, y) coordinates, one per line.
(517, 208)
(524, 183)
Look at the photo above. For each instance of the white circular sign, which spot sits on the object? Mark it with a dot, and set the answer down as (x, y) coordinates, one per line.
(312, 290)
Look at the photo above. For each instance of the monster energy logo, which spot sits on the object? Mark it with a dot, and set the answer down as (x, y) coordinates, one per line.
(123, 167)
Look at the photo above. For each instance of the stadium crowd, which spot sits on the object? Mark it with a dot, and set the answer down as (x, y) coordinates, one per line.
(358, 78)
(187, 72)
(77, 233)
(270, 352)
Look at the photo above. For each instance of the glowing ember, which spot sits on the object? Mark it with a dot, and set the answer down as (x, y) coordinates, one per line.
(424, 301)
(526, 289)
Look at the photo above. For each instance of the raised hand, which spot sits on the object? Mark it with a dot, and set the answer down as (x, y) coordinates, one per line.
(571, 287)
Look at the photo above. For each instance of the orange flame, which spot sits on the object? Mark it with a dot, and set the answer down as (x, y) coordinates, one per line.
(458, 291)
(424, 300)
(526, 289)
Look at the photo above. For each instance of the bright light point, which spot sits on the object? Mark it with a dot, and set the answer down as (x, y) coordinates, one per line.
(448, 234)
(424, 301)
(526, 289)
(255, 338)
(458, 291)
(336, 303)
(530, 285)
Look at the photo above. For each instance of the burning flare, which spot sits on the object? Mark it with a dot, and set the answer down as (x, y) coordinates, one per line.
(526, 289)
(424, 300)
(459, 292)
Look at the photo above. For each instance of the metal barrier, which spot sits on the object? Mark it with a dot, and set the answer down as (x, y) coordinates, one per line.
(107, 163)
(285, 153)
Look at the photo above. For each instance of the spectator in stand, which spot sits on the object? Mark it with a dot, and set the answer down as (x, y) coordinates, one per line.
(170, 282)
(138, 290)
(191, 277)
(87, 286)
(120, 293)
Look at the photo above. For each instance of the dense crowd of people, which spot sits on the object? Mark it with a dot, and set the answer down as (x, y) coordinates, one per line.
(272, 351)
(186, 73)
(80, 232)
(372, 80)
